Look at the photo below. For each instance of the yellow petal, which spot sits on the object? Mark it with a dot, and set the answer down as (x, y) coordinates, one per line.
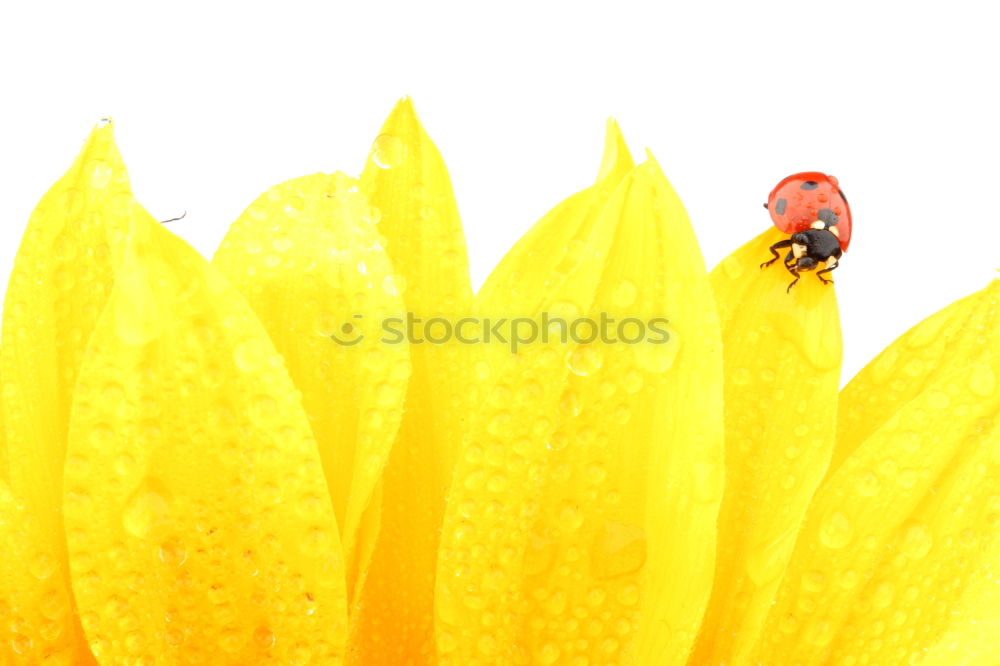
(782, 366)
(916, 360)
(547, 253)
(197, 517)
(902, 538)
(406, 181)
(581, 521)
(62, 275)
(308, 259)
(973, 635)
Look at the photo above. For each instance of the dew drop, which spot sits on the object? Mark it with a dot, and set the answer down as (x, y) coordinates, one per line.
(624, 294)
(263, 637)
(100, 176)
(868, 484)
(42, 566)
(596, 473)
(813, 581)
(822, 634)
(907, 478)
(20, 643)
(388, 151)
(632, 382)
(446, 642)
(570, 516)
(657, 356)
(882, 595)
(548, 654)
(584, 360)
(124, 464)
(145, 510)
(250, 355)
(982, 382)
(917, 542)
(282, 244)
(618, 549)
(835, 530)
(173, 553)
(557, 441)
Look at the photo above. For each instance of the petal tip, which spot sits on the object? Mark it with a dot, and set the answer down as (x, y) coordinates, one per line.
(617, 160)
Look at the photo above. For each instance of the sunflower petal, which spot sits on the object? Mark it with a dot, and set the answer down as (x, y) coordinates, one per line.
(904, 533)
(197, 516)
(590, 537)
(511, 289)
(782, 360)
(916, 360)
(311, 264)
(63, 272)
(405, 179)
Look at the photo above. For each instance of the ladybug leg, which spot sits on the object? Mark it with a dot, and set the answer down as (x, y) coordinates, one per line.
(774, 251)
(791, 265)
(792, 283)
(829, 267)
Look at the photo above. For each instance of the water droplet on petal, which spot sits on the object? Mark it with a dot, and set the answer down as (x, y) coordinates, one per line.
(388, 151)
(917, 542)
(624, 294)
(145, 510)
(584, 360)
(263, 637)
(173, 553)
(835, 530)
(657, 352)
(982, 382)
(619, 549)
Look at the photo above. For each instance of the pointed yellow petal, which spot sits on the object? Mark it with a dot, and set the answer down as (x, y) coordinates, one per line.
(62, 275)
(782, 366)
(512, 289)
(916, 360)
(197, 517)
(581, 520)
(617, 160)
(406, 181)
(905, 530)
(308, 259)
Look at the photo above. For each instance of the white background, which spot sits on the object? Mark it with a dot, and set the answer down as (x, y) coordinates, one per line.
(215, 102)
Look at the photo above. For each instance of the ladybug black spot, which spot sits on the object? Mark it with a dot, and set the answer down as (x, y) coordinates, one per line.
(779, 206)
(809, 185)
(827, 215)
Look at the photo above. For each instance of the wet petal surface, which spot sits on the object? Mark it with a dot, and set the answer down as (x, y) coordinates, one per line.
(308, 258)
(197, 517)
(63, 272)
(581, 520)
(405, 179)
(782, 367)
(898, 548)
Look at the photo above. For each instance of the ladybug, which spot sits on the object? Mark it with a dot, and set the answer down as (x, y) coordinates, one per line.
(813, 209)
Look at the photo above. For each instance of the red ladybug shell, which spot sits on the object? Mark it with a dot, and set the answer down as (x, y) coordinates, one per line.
(803, 198)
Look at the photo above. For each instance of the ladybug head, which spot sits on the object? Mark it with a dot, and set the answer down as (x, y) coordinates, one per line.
(810, 199)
